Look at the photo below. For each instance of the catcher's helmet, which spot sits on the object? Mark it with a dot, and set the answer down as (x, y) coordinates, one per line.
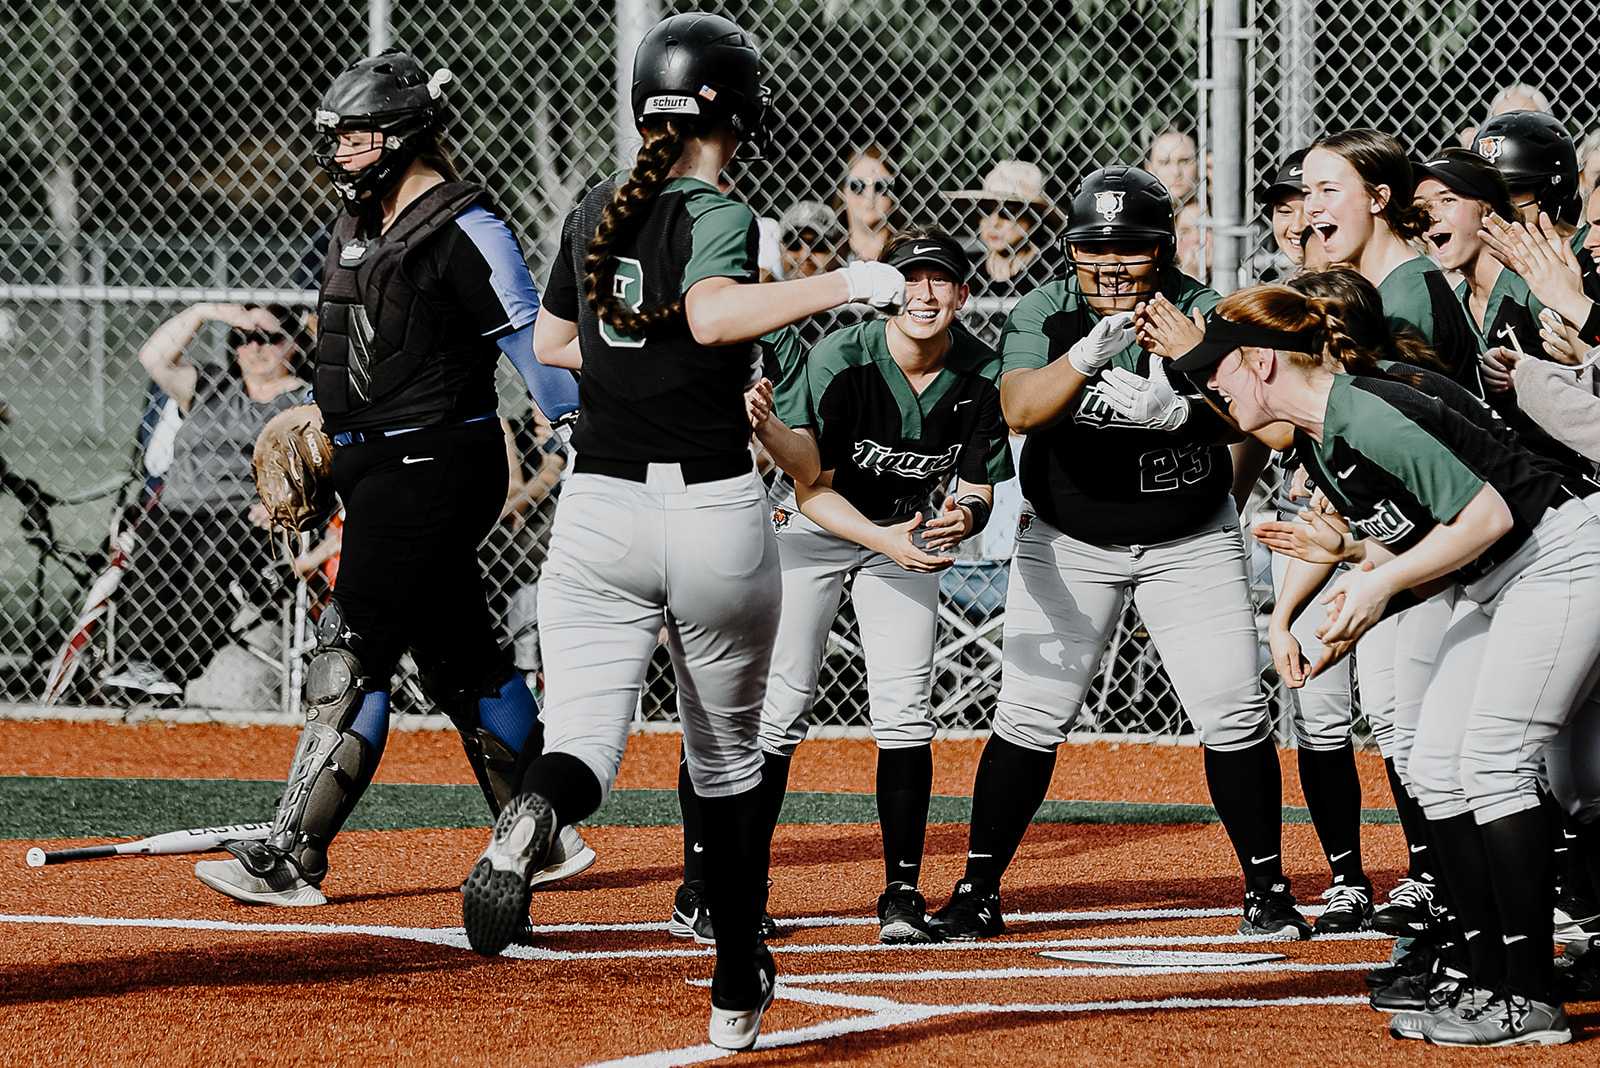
(392, 94)
(1534, 153)
(700, 68)
(1123, 205)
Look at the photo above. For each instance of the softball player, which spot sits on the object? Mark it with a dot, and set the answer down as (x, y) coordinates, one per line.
(1436, 497)
(1127, 487)
(664, 517)
(1359, 197)
(899, 408)
(424, 289)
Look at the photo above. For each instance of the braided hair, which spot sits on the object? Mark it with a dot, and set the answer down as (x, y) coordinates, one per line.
(1371, 336)
(663, 144)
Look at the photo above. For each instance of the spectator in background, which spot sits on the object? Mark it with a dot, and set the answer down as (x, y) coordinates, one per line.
(174, 604)
(1589, 163)
(1175, 159)
(1194, 244)
(809, 235)
(1014, 218)
(867, 197)
(1518, 97)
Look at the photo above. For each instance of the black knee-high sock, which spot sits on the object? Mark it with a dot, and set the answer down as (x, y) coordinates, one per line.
(1572, 864)
(1007, 792)
(1333, 794)
(1247, 789)
(1419, 844)
(737, 853)
(905, 783)
(1518, 849)
(694, 862)
(774, 787)
(567, 783)
(1585, 846)
(1463, 866)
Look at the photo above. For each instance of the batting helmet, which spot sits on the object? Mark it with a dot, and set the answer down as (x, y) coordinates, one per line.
(389, 93)
(700, 69)
(1535, 155)
(1124, 205)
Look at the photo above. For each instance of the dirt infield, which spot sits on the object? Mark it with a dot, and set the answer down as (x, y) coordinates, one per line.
(133, 961)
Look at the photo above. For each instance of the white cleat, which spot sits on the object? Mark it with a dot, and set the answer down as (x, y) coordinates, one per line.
(738, 1029)
(282, 886)
(570, 856)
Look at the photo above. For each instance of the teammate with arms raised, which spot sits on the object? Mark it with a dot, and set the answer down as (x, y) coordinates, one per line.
(1128, 487)
(664, 518)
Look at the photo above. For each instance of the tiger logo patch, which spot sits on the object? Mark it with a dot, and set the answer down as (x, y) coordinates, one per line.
(1024, 521)
(1109, 204)
(1491, 148)
(780, 519)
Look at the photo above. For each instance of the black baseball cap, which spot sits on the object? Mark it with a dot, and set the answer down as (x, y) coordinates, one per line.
(937, 250)
(1286, 180)
(1224, 335)
(1468, 174)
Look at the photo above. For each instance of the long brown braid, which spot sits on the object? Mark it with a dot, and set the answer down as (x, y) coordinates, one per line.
(663, 143)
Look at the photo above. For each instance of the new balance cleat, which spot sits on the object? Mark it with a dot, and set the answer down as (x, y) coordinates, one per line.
(1410, 912)
(1503, 1020)
(738, 1028)
(1273, 913)
(972, 913)
(903, 916)
(276, 882)
(1348, 908)
(494, 899)
(570, 856)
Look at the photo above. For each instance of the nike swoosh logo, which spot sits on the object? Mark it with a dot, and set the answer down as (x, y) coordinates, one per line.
(1512, 940)
(1340, 856)
(960, 403)
(1263, 860)
(1418, 849)
(1470, 934)
(980, 856)
(1295, 172)
(1347, 472)
(415, 459)
(920, 249)
(698, 848)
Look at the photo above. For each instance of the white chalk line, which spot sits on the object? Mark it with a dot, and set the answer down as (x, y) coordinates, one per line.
(887, 1018)
(1087, 971)
(456, 937)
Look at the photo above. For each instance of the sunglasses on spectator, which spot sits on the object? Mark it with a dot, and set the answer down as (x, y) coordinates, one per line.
(880, 186)
(257, 337)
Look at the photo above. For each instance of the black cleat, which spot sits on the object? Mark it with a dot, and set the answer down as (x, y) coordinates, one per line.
(1417, 960)
(691, 917)
(972, 913)
(903, 916)
(1349, 909)
(1410, 912)
(1273, 913)
(494, 899)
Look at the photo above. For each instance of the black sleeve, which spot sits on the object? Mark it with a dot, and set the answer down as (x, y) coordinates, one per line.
(561, 291)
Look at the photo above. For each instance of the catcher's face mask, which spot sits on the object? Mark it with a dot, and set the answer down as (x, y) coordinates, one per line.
(1114, 277)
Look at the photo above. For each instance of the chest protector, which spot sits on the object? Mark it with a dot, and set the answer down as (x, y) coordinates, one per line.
(377, 327)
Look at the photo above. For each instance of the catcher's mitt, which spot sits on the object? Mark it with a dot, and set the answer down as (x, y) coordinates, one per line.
(294, 469)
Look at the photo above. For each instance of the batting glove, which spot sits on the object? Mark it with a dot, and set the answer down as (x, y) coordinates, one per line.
(1150, 402)
(877, 284)
(1110, 336)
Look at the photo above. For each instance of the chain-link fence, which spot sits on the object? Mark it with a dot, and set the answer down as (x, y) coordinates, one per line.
(158, 157)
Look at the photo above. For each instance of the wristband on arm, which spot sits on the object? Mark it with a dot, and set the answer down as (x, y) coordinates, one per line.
(980, 509)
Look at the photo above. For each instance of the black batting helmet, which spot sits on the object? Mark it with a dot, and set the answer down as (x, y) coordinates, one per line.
(1125, 205)
(700, 68)
(389, 93)
(1534, 153)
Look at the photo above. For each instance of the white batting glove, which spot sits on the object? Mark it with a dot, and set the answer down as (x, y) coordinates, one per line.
(877, 284)
(1150, 402)
(1110, 336)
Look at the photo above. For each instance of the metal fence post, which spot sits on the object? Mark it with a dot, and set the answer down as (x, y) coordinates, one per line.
(634, 19)
(1227, 135)
(378, 26)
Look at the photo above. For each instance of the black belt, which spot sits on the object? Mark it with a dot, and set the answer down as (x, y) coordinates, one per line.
(710, 470)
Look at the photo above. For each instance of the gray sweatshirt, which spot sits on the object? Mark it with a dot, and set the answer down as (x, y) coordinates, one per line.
(1566, 406)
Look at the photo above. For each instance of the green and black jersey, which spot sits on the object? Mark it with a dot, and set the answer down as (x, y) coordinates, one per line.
(1396, 463)
(1417, 295)
(665, 398)
(892, 450)
(1091, 474)
(783, 363)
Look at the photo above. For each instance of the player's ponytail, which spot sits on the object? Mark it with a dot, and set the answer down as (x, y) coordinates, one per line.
(1367, 334)
(663, 144)
(1279, 307)
(1380, 161)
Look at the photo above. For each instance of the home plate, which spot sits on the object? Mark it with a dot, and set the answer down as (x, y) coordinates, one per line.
(1160, 958)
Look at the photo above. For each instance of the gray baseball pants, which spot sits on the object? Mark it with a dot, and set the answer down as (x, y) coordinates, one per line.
(627, 558)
